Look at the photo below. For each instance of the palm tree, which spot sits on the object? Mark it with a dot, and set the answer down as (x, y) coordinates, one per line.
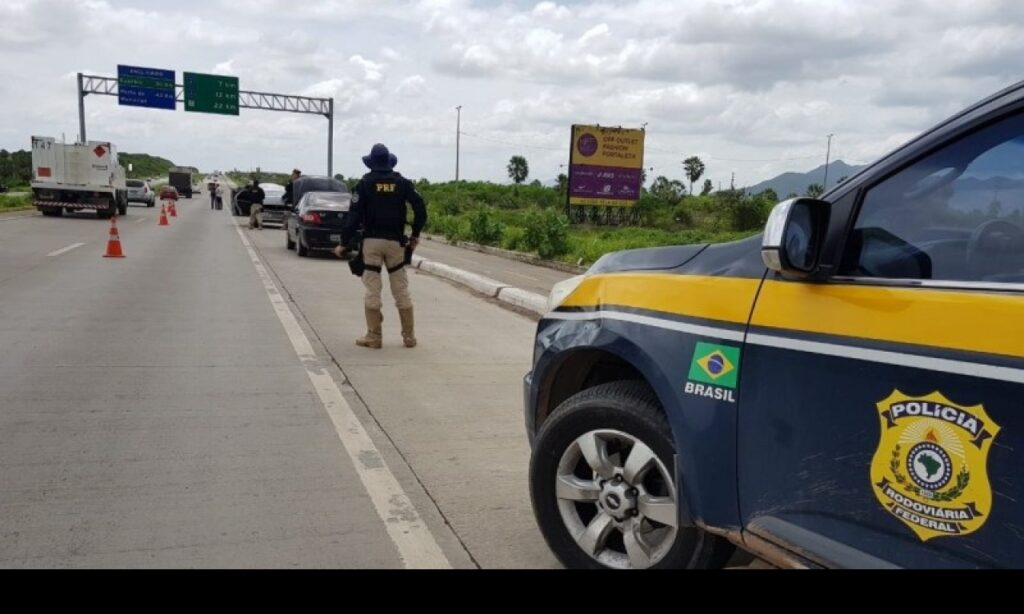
(694, 168)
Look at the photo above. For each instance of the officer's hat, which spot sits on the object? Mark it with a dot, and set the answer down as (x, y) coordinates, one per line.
(380, 159)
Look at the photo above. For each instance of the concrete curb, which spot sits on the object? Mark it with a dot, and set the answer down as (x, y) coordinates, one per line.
(530, 301)
(517, 297)
(479, 283)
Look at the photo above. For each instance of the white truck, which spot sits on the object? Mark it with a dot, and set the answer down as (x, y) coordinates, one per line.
(77, 177)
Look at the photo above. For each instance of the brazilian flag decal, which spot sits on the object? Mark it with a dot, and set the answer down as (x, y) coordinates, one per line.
(715, 364)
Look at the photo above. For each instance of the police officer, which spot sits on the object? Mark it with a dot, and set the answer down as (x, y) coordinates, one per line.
(379, 210)
(289, 187)
(256, 195)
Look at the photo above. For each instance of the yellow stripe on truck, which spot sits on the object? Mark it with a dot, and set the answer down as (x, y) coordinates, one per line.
(975, 321)
(727, 299)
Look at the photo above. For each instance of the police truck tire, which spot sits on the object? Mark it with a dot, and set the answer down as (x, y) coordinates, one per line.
(622, 415)
(288, 243)
(301, 249)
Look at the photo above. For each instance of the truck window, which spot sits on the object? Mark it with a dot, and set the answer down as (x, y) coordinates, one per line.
(956, 215)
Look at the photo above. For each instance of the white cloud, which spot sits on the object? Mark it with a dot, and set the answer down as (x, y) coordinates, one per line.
(730, 80)
(412, 87)
(551, 10)
(601, 30)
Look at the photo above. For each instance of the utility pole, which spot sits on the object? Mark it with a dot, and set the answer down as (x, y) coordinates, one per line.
(330, 138)
(828, 150)
(458, 134)
(81, 109)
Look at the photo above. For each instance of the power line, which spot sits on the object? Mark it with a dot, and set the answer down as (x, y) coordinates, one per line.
(493, 140)
(656, 149)
(716, 159)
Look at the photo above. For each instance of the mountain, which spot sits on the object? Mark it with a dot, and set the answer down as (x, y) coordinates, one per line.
(796, 183)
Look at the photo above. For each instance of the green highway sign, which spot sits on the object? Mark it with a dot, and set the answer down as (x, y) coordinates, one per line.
(211, 94)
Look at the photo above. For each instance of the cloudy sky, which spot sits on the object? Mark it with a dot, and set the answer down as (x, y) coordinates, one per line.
(751, 86)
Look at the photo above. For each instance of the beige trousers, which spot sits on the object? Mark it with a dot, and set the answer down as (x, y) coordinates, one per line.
(385, 255)
(256, 216)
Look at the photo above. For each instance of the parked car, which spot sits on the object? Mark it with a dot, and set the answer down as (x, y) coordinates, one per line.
(316, 223)
(314, 183)
(842, 391)
(140, 192)
(168, 192)
(273, 203)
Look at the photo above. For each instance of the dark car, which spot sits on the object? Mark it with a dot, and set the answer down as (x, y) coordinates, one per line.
(842, 391)
(313, 183)
(317, 222)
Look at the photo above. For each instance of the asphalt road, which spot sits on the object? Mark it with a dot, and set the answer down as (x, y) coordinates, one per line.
(200, 403)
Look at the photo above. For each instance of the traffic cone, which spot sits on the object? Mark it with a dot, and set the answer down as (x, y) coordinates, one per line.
(173, 209)
(163, 216)
(114, 242)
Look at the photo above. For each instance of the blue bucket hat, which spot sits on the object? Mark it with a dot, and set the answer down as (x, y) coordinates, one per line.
(380, 159)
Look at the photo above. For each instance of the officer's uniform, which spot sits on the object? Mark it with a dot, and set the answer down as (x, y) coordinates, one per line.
(256, 196)
(379, 210)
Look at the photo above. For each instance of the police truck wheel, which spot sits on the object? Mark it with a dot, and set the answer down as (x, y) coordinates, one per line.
(301, 249)
(288, 243)
(601, 481)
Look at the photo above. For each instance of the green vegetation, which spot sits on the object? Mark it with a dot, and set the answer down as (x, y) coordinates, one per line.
(243, 178)
(15, 168)
(14, 203)
(144, 166)
(530, 218)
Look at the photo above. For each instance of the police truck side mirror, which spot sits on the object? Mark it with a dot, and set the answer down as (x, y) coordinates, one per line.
(794, 235)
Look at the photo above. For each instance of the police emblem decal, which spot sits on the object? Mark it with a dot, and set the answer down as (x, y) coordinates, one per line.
(930, 468)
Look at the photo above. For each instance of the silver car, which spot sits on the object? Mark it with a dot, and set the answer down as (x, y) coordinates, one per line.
(273, 206)
(140, 192)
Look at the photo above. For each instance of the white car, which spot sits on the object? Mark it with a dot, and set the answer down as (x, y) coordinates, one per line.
(273, 205)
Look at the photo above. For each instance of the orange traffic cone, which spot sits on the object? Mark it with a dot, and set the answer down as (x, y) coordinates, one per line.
(163, 216)
(114, 242)
(173, 209)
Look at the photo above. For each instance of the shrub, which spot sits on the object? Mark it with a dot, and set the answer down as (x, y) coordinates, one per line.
(546, 232)
(483, 228)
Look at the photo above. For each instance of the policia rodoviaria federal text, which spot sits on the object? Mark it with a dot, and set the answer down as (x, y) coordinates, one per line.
(379, 211)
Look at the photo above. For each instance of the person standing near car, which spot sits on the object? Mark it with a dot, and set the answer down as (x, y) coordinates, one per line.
(379, 210)
(256, 196)
(219, 196)
(288, 193)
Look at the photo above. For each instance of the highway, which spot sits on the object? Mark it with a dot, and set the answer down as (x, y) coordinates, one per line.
(201, 403)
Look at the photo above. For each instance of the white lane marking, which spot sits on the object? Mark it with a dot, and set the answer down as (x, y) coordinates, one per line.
(416, 544)
(141, 219)
(64, 250)
(694, 329)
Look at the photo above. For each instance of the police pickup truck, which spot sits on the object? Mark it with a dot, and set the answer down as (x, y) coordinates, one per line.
(844, 390)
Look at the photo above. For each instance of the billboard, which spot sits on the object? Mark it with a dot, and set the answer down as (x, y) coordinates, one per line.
(605, 166)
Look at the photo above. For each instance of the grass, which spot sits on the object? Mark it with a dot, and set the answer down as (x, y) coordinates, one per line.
(15, 203)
